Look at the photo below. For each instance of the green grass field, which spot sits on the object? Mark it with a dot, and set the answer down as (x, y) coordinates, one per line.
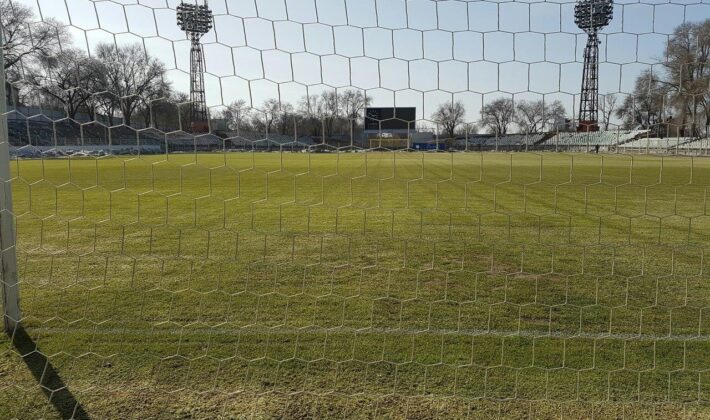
(363, 285)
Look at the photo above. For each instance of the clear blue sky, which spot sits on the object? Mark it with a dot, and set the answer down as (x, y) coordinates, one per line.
(409, 53)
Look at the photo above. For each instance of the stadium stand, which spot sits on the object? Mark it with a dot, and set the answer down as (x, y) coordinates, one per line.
(42, 132)
(429, 145)
(184, 142)
(658, 144)
(504, 142)
(251, 141)
(35, 152)
(38, 135)
(697, 144)
(592, 139)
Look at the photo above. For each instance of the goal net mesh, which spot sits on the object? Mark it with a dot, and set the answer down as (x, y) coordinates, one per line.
(294, 261)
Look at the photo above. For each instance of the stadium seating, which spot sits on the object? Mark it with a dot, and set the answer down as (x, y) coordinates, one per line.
(43, 134)
(593, 139)
(504, 142)
(656, 143)
(696, 144)
(252, 141)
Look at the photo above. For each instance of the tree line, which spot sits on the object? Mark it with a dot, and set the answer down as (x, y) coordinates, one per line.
(673, 96)
(499, 116)
(119, 84)
(125, 84)
(318, 115)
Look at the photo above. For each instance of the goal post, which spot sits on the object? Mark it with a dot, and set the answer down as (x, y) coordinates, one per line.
(8, 256)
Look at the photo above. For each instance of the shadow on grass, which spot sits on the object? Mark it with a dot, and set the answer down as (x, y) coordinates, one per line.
(56, 391)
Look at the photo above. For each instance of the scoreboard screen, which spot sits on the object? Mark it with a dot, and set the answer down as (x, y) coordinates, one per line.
(390, 119)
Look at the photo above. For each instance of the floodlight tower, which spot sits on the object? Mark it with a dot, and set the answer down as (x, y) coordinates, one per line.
(591, 16)
(196, 20)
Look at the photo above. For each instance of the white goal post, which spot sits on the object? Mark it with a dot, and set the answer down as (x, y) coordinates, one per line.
(8, 255)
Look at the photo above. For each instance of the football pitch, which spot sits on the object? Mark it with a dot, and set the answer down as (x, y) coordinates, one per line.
(361, 285)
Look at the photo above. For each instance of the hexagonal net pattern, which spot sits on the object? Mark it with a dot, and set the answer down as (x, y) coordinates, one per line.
(391, 213)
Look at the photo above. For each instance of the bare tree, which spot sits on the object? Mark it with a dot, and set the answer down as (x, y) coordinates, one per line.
(688, 70)
(555, 113)
(529, 116)
(647, 104)
(353, 102)
(24, 41)
(264, 119)
(67, 78)
(237, 115)
(324, 113)
(169, 113)
(311, 112)
(285, 118)
(498, 115)
(93, 70)
(607, 106)
(534, 117)
(330, 110)
(23, 37)
(106, 103)
(449, 116)
(131, 75)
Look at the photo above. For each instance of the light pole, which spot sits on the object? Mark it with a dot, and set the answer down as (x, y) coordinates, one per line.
(196, 20)
(591, 16)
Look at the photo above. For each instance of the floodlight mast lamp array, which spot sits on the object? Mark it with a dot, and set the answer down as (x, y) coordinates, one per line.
(591, 16)
(196, 20)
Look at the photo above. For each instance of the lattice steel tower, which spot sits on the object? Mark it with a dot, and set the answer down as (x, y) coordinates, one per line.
(591, 16)
(196, 20)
